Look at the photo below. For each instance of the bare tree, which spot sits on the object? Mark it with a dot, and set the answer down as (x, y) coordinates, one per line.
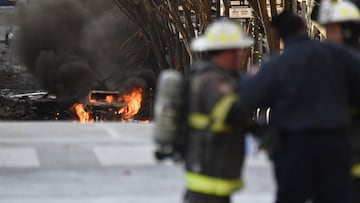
(261, 12)
(168, 26)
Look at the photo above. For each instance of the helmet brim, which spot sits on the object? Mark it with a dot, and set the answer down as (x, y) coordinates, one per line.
(202, 44)
(328, 22)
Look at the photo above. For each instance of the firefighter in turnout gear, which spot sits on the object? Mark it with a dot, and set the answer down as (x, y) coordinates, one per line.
(342, 23)
(215, 145)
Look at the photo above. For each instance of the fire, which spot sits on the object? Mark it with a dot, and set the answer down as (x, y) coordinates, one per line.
(108, 99)
(125, 105)
(84, 116)
(132, 104)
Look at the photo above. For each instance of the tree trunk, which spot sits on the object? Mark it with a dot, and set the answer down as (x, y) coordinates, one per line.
(261, 12)
(227, 7)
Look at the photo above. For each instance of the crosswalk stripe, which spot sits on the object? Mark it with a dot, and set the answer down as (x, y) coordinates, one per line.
(124, 155)
(18, 157)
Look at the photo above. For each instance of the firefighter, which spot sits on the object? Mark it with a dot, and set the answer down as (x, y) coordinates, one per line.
(308, 88)
(342, 23)
(215, 149)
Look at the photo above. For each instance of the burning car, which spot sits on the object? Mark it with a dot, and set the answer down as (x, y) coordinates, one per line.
(109, 106)
(104, 105)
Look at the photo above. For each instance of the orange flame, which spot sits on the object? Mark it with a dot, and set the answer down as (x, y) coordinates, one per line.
(132, 104)
(84, 116)
(109, 99)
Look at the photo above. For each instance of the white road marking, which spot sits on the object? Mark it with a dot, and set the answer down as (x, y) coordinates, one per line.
(110, 131)
(18, 158)
(131, 155)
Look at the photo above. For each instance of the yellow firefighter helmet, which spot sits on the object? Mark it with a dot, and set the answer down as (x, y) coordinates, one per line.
(338, 12)
(222, 34)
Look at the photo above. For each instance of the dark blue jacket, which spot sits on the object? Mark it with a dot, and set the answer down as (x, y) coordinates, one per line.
(307, 87)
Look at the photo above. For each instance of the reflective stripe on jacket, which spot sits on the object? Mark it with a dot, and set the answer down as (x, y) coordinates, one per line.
(355, 170)
(211, 185)
(216, 120)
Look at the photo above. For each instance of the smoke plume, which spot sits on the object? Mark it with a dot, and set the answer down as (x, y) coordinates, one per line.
(74, 46)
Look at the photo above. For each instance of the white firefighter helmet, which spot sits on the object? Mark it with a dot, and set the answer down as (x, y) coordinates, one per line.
(221, 34)
(338, 12)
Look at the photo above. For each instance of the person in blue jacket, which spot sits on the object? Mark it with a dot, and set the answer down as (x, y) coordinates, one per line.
(308, 89)
(342, 23)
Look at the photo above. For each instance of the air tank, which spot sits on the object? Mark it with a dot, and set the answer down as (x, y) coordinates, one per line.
(167, 111)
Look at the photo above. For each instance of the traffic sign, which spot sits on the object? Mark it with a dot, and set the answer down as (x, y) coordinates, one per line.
(240, 12)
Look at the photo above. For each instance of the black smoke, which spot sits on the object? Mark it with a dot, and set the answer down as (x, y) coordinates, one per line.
(74, 46)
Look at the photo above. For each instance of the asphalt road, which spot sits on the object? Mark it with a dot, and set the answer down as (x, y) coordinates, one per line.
(53, 162)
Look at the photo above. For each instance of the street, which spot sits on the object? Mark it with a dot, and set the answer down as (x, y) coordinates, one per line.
(53, 162)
